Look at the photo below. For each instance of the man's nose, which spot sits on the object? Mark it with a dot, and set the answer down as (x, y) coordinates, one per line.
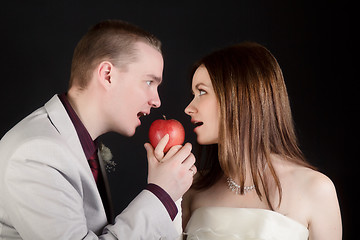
(155, 102)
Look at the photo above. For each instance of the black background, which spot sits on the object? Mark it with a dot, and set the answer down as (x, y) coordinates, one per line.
(310, 39)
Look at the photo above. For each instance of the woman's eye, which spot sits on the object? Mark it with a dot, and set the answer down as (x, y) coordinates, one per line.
(149, 82)
(201, 92)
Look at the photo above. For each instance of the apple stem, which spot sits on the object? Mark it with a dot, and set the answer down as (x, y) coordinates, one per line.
(164, 117)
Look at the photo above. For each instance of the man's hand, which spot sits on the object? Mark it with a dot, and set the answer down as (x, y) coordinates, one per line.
(173, 172)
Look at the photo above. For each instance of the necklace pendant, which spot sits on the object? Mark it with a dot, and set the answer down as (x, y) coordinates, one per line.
(233, 186)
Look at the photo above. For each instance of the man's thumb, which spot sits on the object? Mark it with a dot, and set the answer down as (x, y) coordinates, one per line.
(150, 153)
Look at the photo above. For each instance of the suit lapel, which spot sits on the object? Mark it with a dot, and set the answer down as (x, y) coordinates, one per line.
(104, 189)
(61, 121)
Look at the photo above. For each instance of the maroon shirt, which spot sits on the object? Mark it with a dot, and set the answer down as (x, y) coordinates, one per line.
(89, 147)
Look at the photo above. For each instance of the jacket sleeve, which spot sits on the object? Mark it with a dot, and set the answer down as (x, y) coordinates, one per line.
(42, 202)
(144, 218)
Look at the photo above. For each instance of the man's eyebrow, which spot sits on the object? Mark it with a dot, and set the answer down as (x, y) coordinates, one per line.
(155, 78)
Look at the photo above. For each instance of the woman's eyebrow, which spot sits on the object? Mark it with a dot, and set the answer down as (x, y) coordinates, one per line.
(197, 87)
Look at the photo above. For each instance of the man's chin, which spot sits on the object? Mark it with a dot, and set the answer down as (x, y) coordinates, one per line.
(126, 132)
(130, 133)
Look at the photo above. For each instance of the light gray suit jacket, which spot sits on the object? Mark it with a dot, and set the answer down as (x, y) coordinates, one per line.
(47, 190)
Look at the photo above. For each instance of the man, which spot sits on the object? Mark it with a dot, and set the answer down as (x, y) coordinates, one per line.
(52, 183)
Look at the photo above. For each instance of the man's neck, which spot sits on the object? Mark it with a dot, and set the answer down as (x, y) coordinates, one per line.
(86, 109)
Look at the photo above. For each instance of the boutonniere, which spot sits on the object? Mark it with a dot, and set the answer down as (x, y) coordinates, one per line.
(106, 156)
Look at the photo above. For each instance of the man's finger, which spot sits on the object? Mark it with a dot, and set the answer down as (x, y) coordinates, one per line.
(172, 151)
(159, 150)
(150, 152)
(193, 170)
(189, 161)
(183, 153)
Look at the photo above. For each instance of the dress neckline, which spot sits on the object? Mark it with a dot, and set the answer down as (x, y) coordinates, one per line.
(270, 212)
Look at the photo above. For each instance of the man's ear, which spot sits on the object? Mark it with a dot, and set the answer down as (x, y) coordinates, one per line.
(104, 73)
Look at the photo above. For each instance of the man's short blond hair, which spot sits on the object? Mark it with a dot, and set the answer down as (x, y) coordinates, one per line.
(110, 40)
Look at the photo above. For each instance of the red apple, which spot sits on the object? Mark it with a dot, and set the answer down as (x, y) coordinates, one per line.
(160, 127)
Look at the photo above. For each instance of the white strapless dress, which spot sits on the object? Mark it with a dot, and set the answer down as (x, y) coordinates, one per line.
(220, 223)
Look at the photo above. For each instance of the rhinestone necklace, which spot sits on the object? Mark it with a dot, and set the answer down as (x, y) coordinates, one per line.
(233, 186)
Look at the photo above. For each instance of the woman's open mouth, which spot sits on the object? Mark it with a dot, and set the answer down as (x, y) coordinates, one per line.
(197, 124)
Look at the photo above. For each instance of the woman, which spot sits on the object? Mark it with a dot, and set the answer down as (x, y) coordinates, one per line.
(256, 183)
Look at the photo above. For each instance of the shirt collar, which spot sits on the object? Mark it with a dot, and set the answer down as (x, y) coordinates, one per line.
(89, 146)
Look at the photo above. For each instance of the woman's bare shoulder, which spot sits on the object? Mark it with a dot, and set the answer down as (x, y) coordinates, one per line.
(302, 178)
(321, 203)
(311, 181)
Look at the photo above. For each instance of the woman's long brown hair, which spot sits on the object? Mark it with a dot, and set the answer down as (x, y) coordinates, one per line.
(255, 118)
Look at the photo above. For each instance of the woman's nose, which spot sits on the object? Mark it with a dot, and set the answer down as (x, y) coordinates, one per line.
(189, 109)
